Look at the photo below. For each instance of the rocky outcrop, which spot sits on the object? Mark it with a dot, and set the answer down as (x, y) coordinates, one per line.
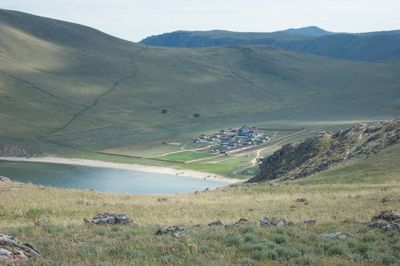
(110, 218)
(241, 221)
(271, 221)
(13, 148)
(386, 220)
(4, 179)
(336, 235)
(319, 153)
(174, 230)
(11, 251)
(11, 151)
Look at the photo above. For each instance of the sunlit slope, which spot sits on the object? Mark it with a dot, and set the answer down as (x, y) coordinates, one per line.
(71, 85)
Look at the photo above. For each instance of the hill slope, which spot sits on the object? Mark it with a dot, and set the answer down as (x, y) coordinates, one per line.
(319, 153)
(372, 46)
(66, 85)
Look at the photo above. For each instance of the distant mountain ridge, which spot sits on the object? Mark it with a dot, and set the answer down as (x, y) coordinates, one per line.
(370, 46)
(310, 31)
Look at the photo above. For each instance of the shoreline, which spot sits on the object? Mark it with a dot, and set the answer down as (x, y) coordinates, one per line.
(124, 166)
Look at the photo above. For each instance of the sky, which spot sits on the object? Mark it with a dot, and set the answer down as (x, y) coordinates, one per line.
(136, 19)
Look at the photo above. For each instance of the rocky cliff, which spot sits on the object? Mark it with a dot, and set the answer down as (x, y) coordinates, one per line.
(12, 148)
(319, 153)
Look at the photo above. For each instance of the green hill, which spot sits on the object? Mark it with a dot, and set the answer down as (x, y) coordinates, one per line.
(373, 46)
(66, 85)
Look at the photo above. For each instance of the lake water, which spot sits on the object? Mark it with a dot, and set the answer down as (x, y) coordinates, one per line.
(103, 179)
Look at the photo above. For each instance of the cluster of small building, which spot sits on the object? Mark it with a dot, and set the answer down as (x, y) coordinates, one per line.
(233, 139)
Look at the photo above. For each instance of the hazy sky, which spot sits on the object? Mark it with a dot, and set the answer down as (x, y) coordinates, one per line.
(136, 19)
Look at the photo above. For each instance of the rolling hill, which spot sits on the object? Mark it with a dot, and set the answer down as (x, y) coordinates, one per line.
(373, 46)
(196, 39)
(64, 85)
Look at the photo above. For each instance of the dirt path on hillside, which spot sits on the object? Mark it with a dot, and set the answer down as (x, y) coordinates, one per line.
(250, 82)
(97, 99)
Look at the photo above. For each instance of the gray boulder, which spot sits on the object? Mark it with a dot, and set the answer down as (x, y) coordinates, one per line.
(270, 221)
(111, 218)
(11, 251)
(393, 225)
(174, 230)
(378, 223)
(387, 220)
(309, 222)
(241, 221)
(216, 223)
(4, 179)
(336, 235)
(387, 215)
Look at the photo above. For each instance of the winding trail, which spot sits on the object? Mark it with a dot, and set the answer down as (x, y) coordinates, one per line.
(183, 150)
(254, 161)
(97, 99)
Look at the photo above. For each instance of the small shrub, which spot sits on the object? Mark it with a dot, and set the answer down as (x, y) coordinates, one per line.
(115, 229)
(369, 238)
(253, 247)
(264, 254)
(116, 250)
(279, 239)
(101, 231)
(285, 253)
(352, 243)
(169, 259)
(233, 241)
(363, 229)
(250, 238)
(51, 229)
(3, 212)
(306, 260)
(268, 244)
(249, 230)
(357, 257)
(336, 249)
(382, 258)
(247, 261)
(362, 248)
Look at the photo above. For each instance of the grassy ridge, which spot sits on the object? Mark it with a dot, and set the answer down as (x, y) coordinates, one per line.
(372, 46)
(104, 92)
(65, 239)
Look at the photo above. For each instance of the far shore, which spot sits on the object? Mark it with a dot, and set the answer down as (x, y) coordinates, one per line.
(124, 166)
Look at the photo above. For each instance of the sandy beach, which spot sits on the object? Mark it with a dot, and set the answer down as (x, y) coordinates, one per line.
(133, 167)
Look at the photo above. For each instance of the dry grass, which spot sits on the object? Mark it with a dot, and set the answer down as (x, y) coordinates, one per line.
(23, 204)
(65, 239)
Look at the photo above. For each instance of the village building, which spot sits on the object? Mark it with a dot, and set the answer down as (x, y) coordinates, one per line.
(232, 139)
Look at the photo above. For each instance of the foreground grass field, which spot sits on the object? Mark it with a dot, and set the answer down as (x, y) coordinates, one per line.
(342, 199)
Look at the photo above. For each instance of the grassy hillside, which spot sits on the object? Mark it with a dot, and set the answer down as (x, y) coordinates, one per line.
(374, 46)
(64, 85)
(342, 199)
